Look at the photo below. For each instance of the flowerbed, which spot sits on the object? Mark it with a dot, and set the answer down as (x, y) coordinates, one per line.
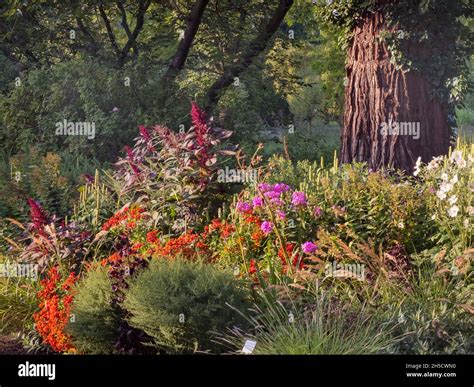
(363, 241)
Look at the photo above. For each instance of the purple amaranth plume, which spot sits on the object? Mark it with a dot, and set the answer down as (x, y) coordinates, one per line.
(199, 118)
(38, 216)
(131, 159)
(144, 133)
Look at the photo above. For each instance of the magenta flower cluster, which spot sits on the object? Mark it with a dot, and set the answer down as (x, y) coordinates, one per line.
(299, 199)
(266, 227)
(243, 207)
(309, 247)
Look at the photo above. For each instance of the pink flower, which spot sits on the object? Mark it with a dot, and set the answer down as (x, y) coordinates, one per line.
(264, 187)
(318, 211)
(266, 227)
(257, 201)
(243, 207)
(281, 214)
(309, 247)
(299, 199)
(272, 194)
(276, 202)
(281, 187)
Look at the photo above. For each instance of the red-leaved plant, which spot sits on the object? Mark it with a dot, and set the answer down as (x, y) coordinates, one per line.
(48, 239)
(174, 173)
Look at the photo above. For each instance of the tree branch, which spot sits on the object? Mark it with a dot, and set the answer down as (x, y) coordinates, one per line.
(255, 47)
(110, 32)
(132, 36)
(88, 35)
(194, 20)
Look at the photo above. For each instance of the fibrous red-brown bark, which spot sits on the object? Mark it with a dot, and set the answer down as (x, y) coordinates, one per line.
(376, 93)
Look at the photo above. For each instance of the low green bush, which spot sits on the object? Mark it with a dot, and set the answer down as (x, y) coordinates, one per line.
(180, 304)
(94, 321)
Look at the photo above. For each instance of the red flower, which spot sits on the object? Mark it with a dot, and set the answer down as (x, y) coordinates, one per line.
(199, 119)
(252, 267)
(225, 230)
(289, 251)
(129, 151)
(152, 237)
(137, 246)
(257, 237)
(131, 159)
(252, 219)
(130, 215)
(201, 129)
(301, 264)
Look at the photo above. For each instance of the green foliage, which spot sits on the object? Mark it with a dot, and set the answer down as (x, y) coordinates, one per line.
(32, 174)
(78, 91)
(18, 302)
(200, 294)
(434, 316)
(94, 319)
(371, 205)
(324, 326)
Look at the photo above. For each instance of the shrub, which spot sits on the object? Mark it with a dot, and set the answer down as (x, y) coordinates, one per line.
(351, 199)
(277, 226)
(435, 314)
(179, 303)
(95, 319)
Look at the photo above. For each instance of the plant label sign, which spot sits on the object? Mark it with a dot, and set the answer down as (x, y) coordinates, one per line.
(249, 347)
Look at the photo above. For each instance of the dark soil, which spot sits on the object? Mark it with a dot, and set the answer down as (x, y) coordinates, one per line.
(11, 346)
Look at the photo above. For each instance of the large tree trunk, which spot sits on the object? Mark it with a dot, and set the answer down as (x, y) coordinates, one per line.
(377, 94)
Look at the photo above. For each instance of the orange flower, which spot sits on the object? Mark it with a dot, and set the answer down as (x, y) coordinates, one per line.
(253, 219)
(257, 237)
(55, 308)
(129, 214)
